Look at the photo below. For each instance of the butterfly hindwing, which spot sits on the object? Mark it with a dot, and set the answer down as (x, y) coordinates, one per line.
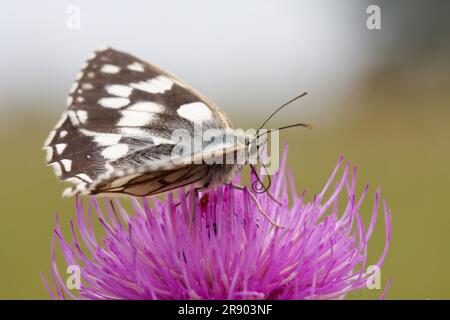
(156, 169)
(118, 108)
(152, 182)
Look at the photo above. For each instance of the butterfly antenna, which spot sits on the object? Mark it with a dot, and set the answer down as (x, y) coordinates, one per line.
(281, 107)
(258, 185)
(305, 125)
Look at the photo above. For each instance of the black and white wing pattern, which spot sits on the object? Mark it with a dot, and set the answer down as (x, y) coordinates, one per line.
(121, 112)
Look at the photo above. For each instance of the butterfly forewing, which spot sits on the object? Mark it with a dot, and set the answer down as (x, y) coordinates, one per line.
(118, 109)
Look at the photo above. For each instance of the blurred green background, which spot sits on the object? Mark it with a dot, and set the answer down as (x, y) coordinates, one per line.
(381, 98)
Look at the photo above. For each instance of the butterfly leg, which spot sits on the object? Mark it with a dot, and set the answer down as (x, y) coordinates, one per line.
(180, 201)
(187, 195)
(193, 206)
(258, 205)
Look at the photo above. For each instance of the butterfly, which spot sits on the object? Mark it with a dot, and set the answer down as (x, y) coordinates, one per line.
(116, 136)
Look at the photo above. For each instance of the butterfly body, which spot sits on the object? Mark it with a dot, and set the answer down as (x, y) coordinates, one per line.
(118, 134)
(147, 176)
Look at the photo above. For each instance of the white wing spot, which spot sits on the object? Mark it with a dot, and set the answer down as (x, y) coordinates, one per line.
(107, 139)
(69, 101)
(49, 154)
(85, 177)
(92, 56)
(74, 180)
(61, 120)
(195, 112)
(113, 103)
(159, 140)
(68, 192)
(81, 187)
(104, 48)
(159, 84)
(134, 119)
(56, 168)
(50, 137)
(73, 116)
(82, 116)
(119, 90)
(115, 152)
(110, 68)
(130, 131)
(90, 75)
(102, 139)
(74, 87)
(80, 178)
(67, 164)
(80, 99)
(63, 133)
(60, 147)
(87, 86)
(136, 66)
(147, 107)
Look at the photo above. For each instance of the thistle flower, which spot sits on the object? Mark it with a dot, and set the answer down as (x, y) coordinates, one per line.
(226, 250)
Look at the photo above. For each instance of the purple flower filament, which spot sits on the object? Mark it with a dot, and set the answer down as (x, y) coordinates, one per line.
(226, 250)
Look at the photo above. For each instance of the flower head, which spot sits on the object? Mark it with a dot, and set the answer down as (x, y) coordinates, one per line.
(218, 246)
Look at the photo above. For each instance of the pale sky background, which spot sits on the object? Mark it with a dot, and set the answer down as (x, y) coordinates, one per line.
(236, 52)
(240, 54)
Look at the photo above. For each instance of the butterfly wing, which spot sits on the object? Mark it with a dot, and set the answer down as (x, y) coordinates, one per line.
(118, 106)
(150, 182)
(148, 171)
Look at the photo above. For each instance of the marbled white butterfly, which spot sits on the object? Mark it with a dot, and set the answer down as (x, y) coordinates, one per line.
(116, 136)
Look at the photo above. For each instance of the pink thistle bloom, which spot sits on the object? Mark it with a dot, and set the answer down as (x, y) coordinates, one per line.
(227, 250)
